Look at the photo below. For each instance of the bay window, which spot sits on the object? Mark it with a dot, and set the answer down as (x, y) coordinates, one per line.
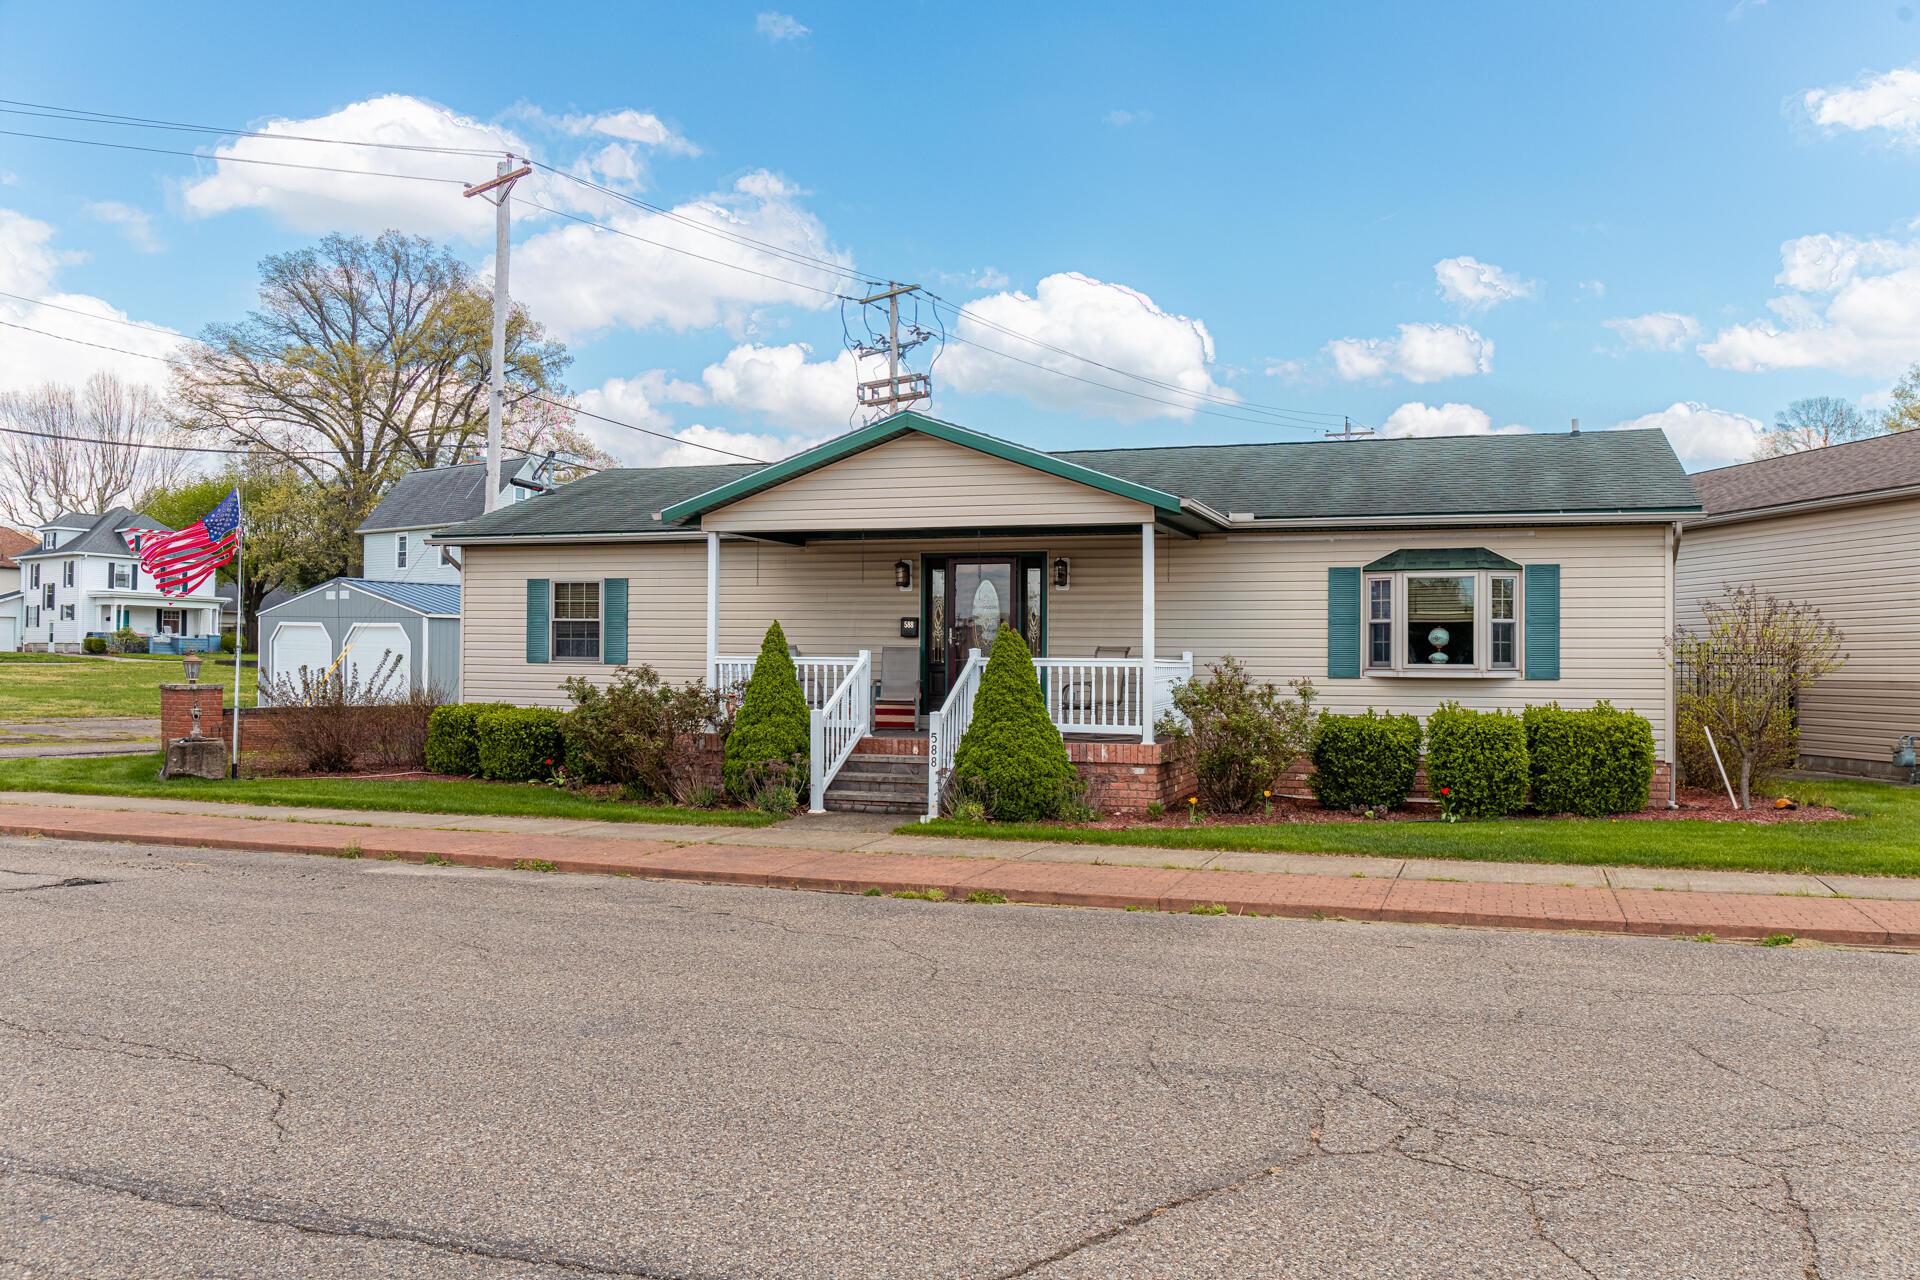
(1463, 622)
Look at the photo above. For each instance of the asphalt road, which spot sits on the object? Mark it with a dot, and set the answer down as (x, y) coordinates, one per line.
(231, 1065)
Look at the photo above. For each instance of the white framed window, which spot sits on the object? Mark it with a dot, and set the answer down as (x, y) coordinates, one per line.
(172, 621)
(66, 613)
(46, 596)
(47, 540)
(66, 573)
(122, 577)
(1441, 621)
(35, 575)
(576, 622)
(400, 551)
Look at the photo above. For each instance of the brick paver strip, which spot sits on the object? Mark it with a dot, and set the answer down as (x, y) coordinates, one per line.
(1523, 906)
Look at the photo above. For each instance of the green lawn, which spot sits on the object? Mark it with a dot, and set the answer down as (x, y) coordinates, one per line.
(1881, 838)
(137, 776)
(45, 686)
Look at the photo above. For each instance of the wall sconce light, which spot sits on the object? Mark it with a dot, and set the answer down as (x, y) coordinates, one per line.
(903, 574)
(1062, 573)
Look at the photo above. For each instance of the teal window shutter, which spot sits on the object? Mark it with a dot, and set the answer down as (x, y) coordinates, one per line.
(613, 628)
(1343, 624)
(1542, 607)
(538, 600)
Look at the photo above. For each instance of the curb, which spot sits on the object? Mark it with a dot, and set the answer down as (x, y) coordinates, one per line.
(1850, 921)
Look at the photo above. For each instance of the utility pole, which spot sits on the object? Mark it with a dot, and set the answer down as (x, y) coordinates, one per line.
(505, 175)
(896, 391)
(1348, 431)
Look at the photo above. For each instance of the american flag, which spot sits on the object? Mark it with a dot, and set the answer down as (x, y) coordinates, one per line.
(179, 562)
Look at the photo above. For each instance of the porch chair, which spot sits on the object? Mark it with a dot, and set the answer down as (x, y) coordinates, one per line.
(897, 704)
(1082, 694)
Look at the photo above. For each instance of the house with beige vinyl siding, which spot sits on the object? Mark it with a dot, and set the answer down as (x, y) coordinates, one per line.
(1837, 528)
(1397, 574)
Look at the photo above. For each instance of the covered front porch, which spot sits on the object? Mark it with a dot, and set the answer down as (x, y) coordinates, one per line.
(912, 674)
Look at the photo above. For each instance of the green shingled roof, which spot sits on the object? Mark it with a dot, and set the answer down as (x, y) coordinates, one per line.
(1595, 472)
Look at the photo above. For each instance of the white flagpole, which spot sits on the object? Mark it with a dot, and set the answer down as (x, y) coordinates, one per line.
(239, 620)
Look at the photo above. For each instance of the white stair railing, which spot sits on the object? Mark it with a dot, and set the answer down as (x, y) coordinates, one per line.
(837, 726)
(819, 677)
(946, 727)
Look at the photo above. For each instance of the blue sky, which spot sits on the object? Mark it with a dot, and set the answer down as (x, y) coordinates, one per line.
(1432, 218)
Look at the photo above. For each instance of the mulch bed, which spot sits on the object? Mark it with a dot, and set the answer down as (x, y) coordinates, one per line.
(1709, 806)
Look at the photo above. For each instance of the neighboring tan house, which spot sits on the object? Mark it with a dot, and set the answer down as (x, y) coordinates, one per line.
(12, 543)
(1837, 528)
(404, 609)
(1494, 570)
(84, 578)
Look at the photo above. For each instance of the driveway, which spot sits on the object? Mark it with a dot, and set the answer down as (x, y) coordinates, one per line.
(80, 736)
(255, 1065)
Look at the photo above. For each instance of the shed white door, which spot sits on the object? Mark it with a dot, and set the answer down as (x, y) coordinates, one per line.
(297, 645)
(379, 649)
(9, 635)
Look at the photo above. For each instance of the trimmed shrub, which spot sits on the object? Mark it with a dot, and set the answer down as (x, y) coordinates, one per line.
(1365, 762)
(1591, 762)
(1011, 759)
(770, 740)
(227, 642)
(453, 738)
(126, 640)
(1242, 734)
(641, 733)
(520, 744)
(1476, 761)
(93, 644)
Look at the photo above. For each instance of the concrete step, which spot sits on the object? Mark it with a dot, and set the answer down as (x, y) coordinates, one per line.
(883, 767)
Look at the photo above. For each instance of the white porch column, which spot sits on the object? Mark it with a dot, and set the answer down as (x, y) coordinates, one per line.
(713, 606)
(1147, 682)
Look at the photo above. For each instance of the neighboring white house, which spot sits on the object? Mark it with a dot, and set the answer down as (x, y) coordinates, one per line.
(393, 537)
(12, 543)
(85, 579)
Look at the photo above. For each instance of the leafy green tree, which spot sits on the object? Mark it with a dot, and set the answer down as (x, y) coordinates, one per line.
(364, 360)
(1011, 758)
(1903, 408)
(771, 737)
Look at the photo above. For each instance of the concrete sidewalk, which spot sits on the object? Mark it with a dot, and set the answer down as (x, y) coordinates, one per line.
(851, 857)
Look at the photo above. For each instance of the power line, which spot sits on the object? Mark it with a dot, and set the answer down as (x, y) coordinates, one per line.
(141, 444)
(1251, 411)
(200, 155)
(81, 115)
(558, 404)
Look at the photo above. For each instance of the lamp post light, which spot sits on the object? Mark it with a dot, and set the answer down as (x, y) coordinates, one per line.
(192, 664)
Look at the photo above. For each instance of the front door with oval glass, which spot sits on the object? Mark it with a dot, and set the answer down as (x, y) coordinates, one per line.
(969, 601)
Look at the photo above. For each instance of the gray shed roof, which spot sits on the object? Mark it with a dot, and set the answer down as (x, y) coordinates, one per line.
(1595, 472)
(435, 496)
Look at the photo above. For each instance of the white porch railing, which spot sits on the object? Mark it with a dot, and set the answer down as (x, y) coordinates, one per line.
(837, 726)
(819, 677)
(945, 728)
(1106, 695)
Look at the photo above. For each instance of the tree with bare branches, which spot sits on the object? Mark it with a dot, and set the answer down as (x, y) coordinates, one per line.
(1742, 673)
(367, 359)
(1814, 423)
(89, 448)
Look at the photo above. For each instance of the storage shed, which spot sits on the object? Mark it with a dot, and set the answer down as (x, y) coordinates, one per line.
(357, 623)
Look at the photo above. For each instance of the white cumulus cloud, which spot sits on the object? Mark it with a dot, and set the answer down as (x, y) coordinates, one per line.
(777, 26)
(1451, 419)
(1107, 322)
(134, 223)
(1476, 285)
(783, 385)
(1889, 101)
(1852, 306)
(1703, 437)
(578, 279)
(1656, 330)
(1418, 353)
(29, 266)
(317, 202)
